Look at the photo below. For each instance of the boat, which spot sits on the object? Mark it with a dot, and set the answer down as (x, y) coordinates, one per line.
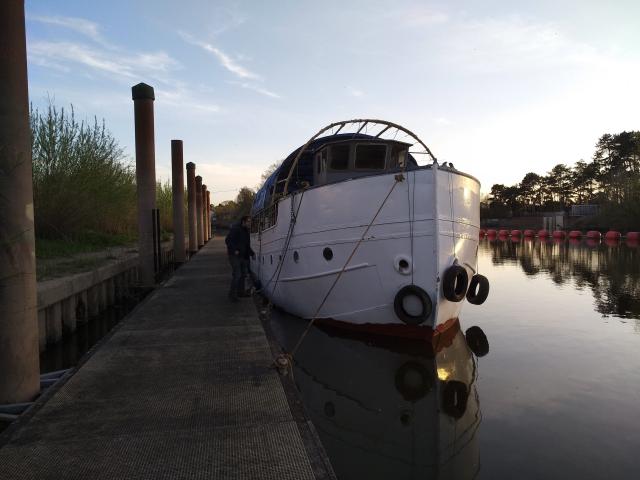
(352, 231)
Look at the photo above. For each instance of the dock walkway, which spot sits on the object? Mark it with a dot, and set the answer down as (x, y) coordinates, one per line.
(182, 389)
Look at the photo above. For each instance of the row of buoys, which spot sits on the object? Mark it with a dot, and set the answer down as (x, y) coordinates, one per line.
(559, 234)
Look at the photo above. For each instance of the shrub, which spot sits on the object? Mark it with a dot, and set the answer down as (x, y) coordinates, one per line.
(80, 179)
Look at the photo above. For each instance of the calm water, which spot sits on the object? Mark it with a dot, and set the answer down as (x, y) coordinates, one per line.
(557, 396)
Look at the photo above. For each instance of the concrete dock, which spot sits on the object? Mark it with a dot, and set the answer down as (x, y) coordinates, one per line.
(183, 388)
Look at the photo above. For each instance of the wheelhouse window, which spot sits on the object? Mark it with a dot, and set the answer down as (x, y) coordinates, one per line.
(398, 156)
(370, 157)
(339, 157)
(321, 161)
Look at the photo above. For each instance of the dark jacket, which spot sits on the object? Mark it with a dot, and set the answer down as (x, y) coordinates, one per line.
(238, 239)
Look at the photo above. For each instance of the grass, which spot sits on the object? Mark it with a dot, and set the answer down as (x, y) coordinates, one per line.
(85, 242)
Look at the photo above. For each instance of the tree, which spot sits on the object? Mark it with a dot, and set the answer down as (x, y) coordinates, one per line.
(244, 201)
(267, 173)
(530, 189)
(225, 213)
(560, 184)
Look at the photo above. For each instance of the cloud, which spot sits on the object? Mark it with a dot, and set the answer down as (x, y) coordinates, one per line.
(442, 121)
(223, 179)
(81, 25)
(181, 97)
(112, 62)
(514, 43)
(256, 88)
(225, 60)
(62, 54)
(355, 92)
(246, 76)
(421, 17)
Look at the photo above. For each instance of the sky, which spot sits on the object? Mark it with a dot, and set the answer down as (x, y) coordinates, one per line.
(498, 88)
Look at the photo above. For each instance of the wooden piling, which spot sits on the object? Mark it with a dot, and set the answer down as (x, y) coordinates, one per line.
(19, 345)
(143, 98)
(177, 185)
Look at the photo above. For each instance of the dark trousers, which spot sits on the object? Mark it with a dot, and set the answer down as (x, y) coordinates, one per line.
(239, 271)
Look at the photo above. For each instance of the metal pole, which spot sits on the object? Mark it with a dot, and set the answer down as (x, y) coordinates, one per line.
(191, 208)
(143, 97)
(19, 360)
(177, 179)
(199, 211)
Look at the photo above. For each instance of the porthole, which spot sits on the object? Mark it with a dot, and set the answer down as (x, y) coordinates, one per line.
(403, 264)
(296, 257)
(327, 253)
(271, 259)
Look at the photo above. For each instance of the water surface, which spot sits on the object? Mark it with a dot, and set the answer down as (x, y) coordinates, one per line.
(557, 396)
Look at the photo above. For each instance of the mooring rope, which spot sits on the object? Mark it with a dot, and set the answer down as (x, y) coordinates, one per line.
(286, 358)
(285, 248)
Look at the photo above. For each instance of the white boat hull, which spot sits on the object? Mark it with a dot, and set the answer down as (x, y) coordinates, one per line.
(430, 223)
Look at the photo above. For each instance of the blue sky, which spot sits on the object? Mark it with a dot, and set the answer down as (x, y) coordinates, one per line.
(498, 88)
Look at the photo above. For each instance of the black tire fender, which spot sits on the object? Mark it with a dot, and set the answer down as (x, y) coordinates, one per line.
(454, 398)
(478, 289)
(425, 300)
(454, 283)
(477, 341)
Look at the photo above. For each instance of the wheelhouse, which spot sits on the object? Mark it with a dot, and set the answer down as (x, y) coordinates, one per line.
(332, 159)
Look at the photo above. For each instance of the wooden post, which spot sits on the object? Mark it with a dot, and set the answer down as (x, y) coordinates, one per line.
(19, 341)
(209, 214)
(199, 229)
(177, 184)
(191, 208)
(143, 97)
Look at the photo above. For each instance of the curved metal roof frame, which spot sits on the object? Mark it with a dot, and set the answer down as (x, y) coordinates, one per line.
(364, 123)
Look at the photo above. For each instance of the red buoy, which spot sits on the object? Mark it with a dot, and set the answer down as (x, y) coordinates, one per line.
(612, 242)
(543, 233)
(481, 233)
(575, 234)
(558, 234)
(491, 232)
(503, 233)
(633, 236)
(516, 233)
(593, 242)
(594, 234)
(612, 235)
(529, 233)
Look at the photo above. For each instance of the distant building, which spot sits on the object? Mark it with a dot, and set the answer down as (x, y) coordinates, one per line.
(584, 210)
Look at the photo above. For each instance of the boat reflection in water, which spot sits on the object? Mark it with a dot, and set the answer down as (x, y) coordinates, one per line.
(386, 409)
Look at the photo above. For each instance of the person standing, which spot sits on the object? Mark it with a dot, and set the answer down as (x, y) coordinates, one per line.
(239, 251)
